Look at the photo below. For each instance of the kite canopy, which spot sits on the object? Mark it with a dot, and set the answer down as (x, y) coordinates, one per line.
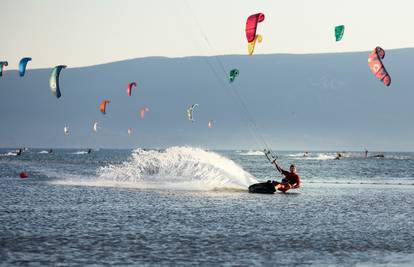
(54, 80)
(95, 126)
(142, 112)
(66, 130)
(129, 88)
(210, 124)
(190, 111)
(22, 65)
(129, 131)
(3, 64)
(102, 107)
(339, 32)
(233, 74)
(251, 28)
(376, 66)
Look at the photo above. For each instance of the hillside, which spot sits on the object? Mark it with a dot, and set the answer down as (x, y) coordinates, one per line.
(316, 101)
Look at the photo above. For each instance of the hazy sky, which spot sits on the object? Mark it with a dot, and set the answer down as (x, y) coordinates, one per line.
(80, 33)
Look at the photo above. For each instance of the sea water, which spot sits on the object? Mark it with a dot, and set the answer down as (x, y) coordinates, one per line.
(190, 206)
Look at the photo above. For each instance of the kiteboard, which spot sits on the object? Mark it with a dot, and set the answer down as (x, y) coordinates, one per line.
(262, 188)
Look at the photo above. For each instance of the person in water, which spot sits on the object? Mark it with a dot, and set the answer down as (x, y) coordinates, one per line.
(291, 180)
(19, 152)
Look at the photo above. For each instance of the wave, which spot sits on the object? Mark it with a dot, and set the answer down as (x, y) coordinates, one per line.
(79, 153)
(182, 168)
(296, 155)
(351, 155)
(350, 182)
(8, 154)
(393, 157)
(312, 156)
(44, 152)
(323, 156)
(252, 153)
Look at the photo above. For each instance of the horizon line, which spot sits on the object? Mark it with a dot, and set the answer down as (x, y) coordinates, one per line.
(204, 56)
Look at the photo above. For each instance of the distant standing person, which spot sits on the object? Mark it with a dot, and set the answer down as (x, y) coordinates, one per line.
(366, 153)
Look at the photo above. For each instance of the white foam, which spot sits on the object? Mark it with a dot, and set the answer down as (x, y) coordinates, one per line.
(312, 156)
(183, 168)
(252, 153)
(323, 156)
(44, 152)
(9, 154)
(79, 153)
(297, 155)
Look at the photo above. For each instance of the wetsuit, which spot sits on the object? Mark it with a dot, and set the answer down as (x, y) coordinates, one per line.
(291, 180)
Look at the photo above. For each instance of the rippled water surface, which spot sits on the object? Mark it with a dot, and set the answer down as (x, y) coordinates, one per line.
(188, 206)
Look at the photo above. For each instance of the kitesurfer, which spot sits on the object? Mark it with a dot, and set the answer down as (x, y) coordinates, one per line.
(50, 151)
(89, 151)
(338, 156)
(19, 152)
(366, 153)
(291, 180)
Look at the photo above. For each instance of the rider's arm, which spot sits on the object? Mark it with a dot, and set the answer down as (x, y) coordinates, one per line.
(277, 166)
(282, 171)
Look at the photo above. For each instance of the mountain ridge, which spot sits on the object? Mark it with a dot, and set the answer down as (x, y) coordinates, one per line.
(328, 101)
